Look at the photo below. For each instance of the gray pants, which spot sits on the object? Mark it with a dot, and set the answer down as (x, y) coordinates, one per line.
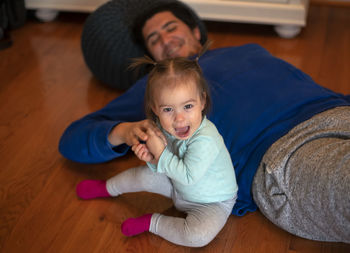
(202, 223)
(303, 182)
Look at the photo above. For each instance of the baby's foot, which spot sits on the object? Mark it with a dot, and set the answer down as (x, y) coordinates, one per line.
(90, 189)
(135, 226)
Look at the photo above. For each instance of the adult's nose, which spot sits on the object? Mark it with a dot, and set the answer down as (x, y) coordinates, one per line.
(165, 37)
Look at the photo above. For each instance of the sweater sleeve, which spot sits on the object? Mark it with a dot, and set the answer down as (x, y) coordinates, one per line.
(189, 168)
(86, 140)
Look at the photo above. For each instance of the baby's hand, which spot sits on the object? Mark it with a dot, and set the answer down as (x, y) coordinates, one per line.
(155, 144)
(142, 152)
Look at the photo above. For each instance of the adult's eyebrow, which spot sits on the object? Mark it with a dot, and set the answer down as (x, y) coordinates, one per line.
(162, 28)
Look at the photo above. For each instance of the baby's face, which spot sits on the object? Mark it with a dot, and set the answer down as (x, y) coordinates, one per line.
(179, 109)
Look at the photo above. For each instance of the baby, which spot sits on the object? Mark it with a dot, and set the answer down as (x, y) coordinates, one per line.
(187, 159)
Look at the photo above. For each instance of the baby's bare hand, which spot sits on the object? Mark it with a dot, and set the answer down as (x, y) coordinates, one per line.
(155, 143)
(142, 152)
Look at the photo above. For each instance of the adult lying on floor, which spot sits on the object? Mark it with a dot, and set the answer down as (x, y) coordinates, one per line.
(288, 137)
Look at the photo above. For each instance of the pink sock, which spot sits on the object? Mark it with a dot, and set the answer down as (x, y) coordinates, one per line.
(135, 226)
(90, 189)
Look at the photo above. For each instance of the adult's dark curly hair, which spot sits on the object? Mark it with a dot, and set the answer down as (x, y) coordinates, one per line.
(179, 10)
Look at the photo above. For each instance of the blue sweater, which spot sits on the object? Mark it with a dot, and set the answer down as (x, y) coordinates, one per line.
(200, 167)
(256, 98)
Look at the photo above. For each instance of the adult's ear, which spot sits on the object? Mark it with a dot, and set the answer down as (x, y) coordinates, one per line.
(197, 33)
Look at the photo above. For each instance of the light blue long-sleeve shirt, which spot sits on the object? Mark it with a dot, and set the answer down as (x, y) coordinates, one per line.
(200, 167)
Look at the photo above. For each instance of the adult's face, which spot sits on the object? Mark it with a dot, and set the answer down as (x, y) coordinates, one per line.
(166, 36)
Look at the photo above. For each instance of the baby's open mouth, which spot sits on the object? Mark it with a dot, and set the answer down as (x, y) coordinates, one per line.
(182, 131)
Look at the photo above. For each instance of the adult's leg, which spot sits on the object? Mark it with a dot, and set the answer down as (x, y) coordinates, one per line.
(202, 223)
(303, 182)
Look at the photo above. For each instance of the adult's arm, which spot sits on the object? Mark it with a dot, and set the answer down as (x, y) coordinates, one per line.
(94, 138)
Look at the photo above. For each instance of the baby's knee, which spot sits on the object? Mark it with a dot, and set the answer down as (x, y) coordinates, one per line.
(198, 237)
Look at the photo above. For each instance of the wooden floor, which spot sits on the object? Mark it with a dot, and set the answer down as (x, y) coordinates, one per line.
(45, 85)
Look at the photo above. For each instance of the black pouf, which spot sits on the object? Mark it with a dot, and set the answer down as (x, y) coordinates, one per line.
(108, 44)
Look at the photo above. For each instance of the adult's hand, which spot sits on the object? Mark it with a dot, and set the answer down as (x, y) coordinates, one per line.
(131, 133)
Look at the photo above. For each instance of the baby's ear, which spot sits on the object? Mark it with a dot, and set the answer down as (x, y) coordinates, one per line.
(204, 100)
(155, 112)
